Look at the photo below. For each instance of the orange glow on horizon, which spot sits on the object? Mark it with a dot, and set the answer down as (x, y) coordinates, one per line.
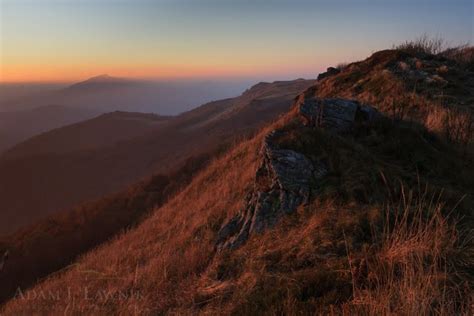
(39, 73)
(64, 73)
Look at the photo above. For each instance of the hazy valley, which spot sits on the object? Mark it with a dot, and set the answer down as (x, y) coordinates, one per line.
(30, 109)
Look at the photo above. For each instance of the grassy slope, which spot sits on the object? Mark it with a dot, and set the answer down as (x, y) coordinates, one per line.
(163, 251)
(53, 243)
(169, 263)
(375, 239)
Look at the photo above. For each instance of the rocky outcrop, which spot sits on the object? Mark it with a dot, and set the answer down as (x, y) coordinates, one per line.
(333, 114)
(283, 182)
(331, 71)
(285, 178)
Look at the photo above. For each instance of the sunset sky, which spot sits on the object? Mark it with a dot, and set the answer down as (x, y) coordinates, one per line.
(54, 40)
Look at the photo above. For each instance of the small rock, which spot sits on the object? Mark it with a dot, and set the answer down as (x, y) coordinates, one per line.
(442, 69)
(403, 66)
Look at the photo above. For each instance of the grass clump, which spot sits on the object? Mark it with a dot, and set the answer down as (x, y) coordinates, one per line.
(423, 44)
(414, 265)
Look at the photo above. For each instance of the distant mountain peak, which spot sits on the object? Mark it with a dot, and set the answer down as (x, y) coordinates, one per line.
(102, 77)
(100, 81)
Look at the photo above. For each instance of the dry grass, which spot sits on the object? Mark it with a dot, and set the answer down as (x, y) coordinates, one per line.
(423, 44)
(459, 126)
(411, 267)
(168, 265)
(411, 261)
(455, 124)
(160, 260)
(463, 54)
(55, 242)
(435, 93)
(341, 65)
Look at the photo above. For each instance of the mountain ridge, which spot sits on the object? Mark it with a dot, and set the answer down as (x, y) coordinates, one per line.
(331, 252)
(104, 130)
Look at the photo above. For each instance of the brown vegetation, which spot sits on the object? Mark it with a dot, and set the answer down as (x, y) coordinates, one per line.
(387, 231)
(301, 267)
(423, 44)
(412, 266)
(55, 242)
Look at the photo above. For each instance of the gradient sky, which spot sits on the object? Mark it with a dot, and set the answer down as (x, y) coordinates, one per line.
(54, 40)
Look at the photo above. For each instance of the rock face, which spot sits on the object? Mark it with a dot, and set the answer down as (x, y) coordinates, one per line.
(333, 114)
(285, 177)
(283, 182)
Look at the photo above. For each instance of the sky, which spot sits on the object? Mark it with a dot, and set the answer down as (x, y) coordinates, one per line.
(67, 40)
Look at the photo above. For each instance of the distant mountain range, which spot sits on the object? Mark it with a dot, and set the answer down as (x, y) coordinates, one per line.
(101, 131)
(107, 93)
(70, 165)
(17, 126)
(27, 112)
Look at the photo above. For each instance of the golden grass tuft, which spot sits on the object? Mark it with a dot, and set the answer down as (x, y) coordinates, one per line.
(455, 125)
(412, 266)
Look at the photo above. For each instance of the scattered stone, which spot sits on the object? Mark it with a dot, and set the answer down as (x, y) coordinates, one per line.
(442, 69)
(403, 66)
(282, 183)
(436, 79)
(337, 115)
(331, 71)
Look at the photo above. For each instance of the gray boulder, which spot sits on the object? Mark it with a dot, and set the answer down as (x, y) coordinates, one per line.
(334, 114)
